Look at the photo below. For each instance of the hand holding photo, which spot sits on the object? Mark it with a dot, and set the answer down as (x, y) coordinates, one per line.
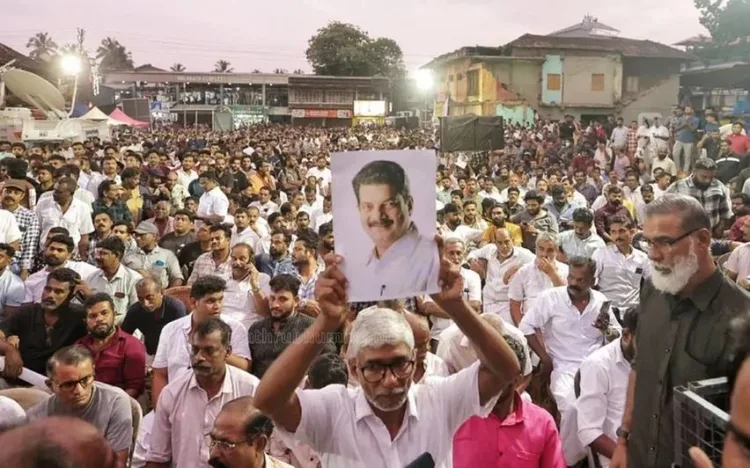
(384, 207)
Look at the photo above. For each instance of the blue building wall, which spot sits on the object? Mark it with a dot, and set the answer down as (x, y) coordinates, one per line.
(552, 65)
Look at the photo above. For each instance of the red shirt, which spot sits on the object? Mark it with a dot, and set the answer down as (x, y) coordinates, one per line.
(739, 144)
(122, 363)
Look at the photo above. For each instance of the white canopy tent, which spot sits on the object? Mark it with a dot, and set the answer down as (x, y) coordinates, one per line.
(96, 115)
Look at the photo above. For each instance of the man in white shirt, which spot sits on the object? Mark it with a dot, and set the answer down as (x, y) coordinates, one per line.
(574, 320)
(514, 181)
(528, 281)
(387, 422)
(242, 233)
(213, 205)
(495, 262)
(65, 211)
(663, 162)
(312, 202)
(112, 277)
(323, 215)
(619, 137)
(489, 190)
(186, 173)
(189, 404)
(247, 289)
(603, 390)
(109, 172)
(320, 172)
(620, 268)
(453, 226)
(400, 261)
(57, 253)
(9, 230)
(12, 289)
(173, 353)
(582, 240)
(264, 204)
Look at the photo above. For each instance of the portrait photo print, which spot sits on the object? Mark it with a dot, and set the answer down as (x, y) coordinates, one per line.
(384, 207)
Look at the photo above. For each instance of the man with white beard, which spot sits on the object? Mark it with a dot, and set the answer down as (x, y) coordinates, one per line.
(685, 311)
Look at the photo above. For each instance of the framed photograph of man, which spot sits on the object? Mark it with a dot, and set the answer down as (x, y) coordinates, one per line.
(385, 222)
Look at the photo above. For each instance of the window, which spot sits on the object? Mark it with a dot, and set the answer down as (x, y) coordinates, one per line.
(631, 84)
(554, 82)
(472, 77)
(597, 82)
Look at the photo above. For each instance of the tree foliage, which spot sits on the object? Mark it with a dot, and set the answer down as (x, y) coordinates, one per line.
(299, 71)
(177, 67)
(342, 49)
(113, 56)
(223, 66)
(727, 21)
(42, 46)
(280, 71)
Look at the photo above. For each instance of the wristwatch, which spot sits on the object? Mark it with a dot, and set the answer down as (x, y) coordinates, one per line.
(623, 433)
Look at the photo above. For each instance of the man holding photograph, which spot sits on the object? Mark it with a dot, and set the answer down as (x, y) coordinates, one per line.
(401, 262)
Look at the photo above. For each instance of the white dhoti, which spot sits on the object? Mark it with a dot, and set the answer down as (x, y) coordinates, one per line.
(562, 387)
(499, 308)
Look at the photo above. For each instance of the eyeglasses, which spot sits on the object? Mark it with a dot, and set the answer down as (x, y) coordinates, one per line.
(212, 442)
(83, 382)
(375, 372)
(665, 243)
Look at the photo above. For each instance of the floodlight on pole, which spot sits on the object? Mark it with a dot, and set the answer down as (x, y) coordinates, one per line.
(424, 80)
(71, 65)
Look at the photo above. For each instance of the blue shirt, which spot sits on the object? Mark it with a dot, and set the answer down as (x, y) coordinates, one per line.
(686, 134)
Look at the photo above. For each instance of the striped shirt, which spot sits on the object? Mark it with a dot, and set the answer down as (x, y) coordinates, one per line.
(28, 223)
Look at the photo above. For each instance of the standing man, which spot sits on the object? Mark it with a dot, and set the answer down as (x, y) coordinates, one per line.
(70, 373)
(400, 259)
(320, 172)
(119, 357)
(685, 133)
(213, 206)
(14, 193)
(64, 210)
(690, 305)
(189, 404)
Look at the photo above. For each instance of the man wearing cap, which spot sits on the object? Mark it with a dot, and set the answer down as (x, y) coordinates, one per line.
(14, 192)
(707, 189)
(150, 260)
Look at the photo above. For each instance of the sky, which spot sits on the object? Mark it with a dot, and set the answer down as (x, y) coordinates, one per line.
(252, 34)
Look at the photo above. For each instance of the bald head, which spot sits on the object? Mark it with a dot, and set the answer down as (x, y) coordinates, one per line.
(56, 442)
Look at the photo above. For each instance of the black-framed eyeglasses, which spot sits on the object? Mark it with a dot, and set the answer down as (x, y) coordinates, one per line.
(212, 442)
(374, 372)
(70, 385)
(666, 243)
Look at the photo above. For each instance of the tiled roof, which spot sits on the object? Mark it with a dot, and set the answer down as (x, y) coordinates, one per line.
(627, 47)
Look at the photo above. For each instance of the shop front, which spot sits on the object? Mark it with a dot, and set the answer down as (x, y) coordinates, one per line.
(322, 117)
(370, 112)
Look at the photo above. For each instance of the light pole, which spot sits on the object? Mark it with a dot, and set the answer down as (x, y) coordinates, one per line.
(425, 85)
(71, 66)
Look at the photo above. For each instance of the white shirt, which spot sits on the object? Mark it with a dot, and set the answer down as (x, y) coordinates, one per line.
(409, 267)
(96, 179)
(319, 218)
(495, 290)
(9, 231)
(504, 194)
(239, 303)
(36, 281)
(77, 220)
(323, 175)
(12, 290)
(213, 203)
(80, 194)
(265, 208)
(569, 335)
(660, 131)
(604, 387)
(574, 246)
(247, 236)
(472, 292)
(465, 233)
(434, 367)
(184, 178)
(185, 415)
(339, 421)
(530, 282)
(121, 288)
(619, 276)
(173, 352)
(311, 208)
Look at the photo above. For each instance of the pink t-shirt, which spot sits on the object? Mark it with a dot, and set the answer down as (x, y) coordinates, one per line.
(527, 438)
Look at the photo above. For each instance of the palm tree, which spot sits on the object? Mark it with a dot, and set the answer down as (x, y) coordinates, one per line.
(113, 55)
(299, 71)
(178, 67)
(223, 66)
(41, 45)
(280, 71)
(256, 71)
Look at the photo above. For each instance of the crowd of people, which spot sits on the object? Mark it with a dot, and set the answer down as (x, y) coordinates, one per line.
(178, 290)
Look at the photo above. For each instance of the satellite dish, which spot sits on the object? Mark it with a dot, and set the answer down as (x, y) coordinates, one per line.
(34, 90)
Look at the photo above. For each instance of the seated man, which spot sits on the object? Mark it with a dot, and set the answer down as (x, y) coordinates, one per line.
(119, 358)
(172, 355)
(41, 329)
(70, 373)
(603, 390)
(188, 404)
(151, 313)
(12, 288)
(427, 365)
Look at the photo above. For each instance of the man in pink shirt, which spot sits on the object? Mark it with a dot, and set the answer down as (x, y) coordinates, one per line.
(516, 434)
(739, 144)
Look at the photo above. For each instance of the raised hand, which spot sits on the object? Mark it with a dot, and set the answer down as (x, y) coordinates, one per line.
(330, 292)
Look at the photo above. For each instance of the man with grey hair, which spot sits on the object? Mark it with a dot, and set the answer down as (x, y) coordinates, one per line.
(686, 307)
(533, 278)
(709, 191)
(401, 262)
(387, 422)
